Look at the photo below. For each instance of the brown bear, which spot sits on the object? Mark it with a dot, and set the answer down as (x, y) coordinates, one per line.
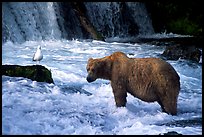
(149, 79)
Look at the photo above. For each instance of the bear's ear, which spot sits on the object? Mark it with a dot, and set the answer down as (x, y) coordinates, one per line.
(90, 59)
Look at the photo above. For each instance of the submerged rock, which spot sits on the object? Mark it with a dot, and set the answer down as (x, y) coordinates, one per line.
(36, 72)
(183, 123)
(171, 133)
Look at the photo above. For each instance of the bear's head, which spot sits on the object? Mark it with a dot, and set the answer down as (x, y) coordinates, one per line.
(98, 68)
(92, 69)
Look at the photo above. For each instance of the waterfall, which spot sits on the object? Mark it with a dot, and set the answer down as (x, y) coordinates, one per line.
(120, 19)
(30, 21)
(140, 16)
(24, 21)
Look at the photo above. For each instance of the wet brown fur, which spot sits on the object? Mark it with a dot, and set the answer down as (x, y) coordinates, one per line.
(149, 79)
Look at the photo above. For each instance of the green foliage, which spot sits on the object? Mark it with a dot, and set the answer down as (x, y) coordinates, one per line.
(181, 17)
(184, 26)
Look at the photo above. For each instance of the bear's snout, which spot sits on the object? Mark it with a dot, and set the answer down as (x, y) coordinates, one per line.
(90, 79)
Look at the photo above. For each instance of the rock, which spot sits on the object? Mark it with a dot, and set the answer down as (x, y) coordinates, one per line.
(171, 133)
(177, 51)
(36, 72)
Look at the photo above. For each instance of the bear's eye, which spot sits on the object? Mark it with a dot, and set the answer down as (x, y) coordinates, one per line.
(93, 70)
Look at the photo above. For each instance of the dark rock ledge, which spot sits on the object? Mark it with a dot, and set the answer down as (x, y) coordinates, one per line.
(174, 52)
(35, 72)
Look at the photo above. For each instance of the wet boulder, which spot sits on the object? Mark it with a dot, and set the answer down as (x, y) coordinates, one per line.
(171, 133)
(174, 52)
(35, 72)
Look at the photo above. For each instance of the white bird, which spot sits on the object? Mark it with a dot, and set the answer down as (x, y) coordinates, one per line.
(38, 55)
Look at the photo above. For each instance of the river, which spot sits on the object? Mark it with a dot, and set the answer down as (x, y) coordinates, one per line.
(74, 106)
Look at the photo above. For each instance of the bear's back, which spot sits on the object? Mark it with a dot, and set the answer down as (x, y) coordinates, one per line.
(148, 76)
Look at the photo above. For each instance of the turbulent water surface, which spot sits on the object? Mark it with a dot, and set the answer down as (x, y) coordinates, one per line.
(74, 106)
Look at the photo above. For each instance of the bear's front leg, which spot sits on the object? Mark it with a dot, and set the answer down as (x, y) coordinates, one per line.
(120, 94)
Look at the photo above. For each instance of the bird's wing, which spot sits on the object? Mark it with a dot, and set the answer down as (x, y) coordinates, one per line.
(33, 57)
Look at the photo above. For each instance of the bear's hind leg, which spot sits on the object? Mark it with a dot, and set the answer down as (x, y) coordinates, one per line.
(170, 107)
(120, 100)
(162, 107)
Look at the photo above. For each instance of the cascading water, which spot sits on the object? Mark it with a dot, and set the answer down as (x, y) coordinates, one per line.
(140, 16)
(105, 17)
(30, 21)
(25, 21)
(120, 19)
